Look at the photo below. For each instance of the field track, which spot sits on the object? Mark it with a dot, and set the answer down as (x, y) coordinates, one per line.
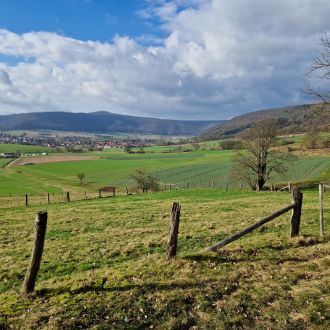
(50, 159)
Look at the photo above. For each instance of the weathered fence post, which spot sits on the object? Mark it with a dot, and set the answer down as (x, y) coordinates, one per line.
(321, 190)
(68, 196)
(172, 241)
(48, 198)
(85, 194)
(297, 198)
(100, 193)
(26, 200)
(212, 183)
(126, 191)
(38, 246)
(289, 186)
(114, 191)
(240, 186)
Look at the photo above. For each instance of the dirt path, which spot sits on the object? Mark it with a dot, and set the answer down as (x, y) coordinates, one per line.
(49, 159)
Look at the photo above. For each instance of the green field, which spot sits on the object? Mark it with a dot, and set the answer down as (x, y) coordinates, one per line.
(23, 148)
(104, 265)
(198, 168)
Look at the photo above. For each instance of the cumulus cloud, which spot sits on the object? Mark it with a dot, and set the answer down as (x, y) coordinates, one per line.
(219, 59)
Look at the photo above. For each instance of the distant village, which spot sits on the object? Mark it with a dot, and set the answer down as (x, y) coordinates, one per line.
(73, 143)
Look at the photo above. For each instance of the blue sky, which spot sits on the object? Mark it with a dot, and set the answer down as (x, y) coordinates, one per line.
(81, 19)
(184, 59)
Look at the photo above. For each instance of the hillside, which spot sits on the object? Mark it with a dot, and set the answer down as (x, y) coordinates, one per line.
(294, 119)
(101, 122)
(104, 265)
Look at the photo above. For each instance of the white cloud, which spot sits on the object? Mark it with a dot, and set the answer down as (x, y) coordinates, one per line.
(220, 58)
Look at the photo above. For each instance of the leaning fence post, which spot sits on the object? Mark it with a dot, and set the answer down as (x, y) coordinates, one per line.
(172, 241)
(321, 190)
(38, 246)
(297, 198)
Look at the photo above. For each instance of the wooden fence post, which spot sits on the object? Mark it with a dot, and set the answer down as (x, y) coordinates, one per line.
(297, 198)
(226, 186)
(68, 196)
(240, 186)
(48, 198)
(100, 193)
(126, 191)
(289, 186)
(172, 241)
(37, 250)
(321, 190)
(85, 194)
(26, 200)
(114, 191)
(212, 183)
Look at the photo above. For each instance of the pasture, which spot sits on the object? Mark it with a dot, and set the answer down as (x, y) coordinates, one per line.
(104, 264)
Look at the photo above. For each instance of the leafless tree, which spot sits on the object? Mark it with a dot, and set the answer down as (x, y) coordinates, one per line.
(81, 177)
(321, 66)
(260, 159)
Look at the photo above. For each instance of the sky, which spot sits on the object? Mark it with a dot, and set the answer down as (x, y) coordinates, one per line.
(178, 59)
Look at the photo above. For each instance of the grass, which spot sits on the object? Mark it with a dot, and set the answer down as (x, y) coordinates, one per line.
(23, 148)
(198, 168)
(103, 265)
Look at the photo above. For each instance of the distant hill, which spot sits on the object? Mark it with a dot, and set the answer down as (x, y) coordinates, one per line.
(101, 122)
(293, 119)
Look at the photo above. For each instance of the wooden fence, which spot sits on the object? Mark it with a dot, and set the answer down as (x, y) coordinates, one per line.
(172, 242)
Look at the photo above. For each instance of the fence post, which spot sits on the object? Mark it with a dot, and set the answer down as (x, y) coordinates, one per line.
(240, 186)
(100, 193)
(212, 183)
(85, 194)
(48, 198)
(226, 186)
(289, 186)
(321, 190)
(297, 198)
(172, 241)
(68, 196)
(126, 191)
(26, 200)
(114, 191)
(38, 246)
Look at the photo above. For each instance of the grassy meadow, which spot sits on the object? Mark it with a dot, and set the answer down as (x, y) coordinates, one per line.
(104, 264)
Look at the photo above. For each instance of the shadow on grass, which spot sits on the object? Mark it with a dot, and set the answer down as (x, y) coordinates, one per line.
(142, 288)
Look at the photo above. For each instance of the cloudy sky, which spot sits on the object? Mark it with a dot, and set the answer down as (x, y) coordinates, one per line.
(179, 59)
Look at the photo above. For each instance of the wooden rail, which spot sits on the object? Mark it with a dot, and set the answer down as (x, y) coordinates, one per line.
(295, 221)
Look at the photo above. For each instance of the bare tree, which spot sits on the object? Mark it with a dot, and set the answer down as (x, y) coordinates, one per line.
(321, 66)
(144, 181)
(81, 177)
(260, 160)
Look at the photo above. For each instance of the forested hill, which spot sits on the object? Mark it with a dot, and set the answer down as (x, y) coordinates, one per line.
(101, 122)
(293, 119)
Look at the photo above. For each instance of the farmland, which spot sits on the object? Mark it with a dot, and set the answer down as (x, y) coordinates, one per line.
(104, 264)
(198, 168)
